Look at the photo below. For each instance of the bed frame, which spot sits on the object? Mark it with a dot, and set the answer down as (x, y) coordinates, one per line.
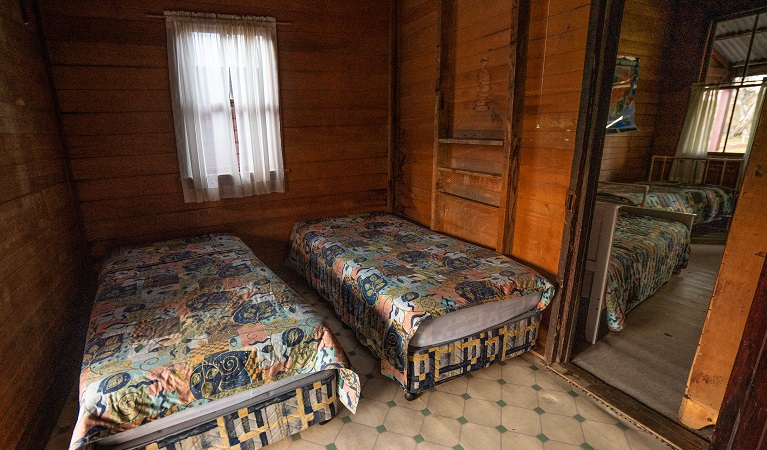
(666, 168)
(249, 419)
(598, 256)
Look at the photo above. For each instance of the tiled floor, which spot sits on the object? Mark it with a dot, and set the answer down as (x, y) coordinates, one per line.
(518, 404)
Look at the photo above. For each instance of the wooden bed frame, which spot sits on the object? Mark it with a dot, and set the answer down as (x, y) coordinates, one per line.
(598, 255)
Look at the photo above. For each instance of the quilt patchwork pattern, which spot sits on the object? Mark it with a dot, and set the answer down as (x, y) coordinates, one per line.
(385, 276)
(645, 253)
(185, 322)
(707, 201)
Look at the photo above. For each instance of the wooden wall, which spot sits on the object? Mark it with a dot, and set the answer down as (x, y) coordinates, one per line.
(416, 78)
(556, 53)
(645, 32)
(110, 70)
(558, 36)
(41, 264)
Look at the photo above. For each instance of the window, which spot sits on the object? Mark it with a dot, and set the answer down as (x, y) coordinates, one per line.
(223, 75)
(738, 68)
(736, 114)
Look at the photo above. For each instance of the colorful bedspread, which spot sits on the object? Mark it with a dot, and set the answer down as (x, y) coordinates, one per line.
(645, 253)
(706, 201)
(385, 276)
(184, 322)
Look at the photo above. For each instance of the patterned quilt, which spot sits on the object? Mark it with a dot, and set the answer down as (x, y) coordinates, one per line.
(385, 276)
(645, 253)
(706, 201)
(184, 322)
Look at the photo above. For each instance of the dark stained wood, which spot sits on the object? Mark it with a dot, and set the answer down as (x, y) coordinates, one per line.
(515, 98)
(42, 264)
(109, 63)
(743, 417)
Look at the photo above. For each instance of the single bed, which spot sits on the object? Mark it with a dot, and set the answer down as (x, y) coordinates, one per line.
(430, 306)
(708, 202)
(194, 343)
(632, 252)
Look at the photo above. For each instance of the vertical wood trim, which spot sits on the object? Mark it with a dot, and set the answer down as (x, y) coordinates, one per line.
(520, 26)
(443, 88)
(393, 107)
(743, 418)
(601, 51)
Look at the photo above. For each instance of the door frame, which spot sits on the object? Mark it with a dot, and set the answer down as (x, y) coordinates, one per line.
(601, 45)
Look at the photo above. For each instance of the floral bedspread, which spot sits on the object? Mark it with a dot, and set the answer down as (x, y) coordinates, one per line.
(706, 201)
(184, 322)
(385, 276)
(645, 253)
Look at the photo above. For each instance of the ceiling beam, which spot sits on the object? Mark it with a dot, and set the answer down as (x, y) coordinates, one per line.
(740, 34)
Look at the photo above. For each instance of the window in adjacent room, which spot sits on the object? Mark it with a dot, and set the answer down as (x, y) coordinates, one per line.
(223, 75)
(737, 70)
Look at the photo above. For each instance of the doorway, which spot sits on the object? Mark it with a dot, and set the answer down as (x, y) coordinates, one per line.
(649, 359)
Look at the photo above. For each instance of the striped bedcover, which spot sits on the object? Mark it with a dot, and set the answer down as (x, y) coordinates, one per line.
(707, 201)
(385, 276)
(185, 322)
(645, 253)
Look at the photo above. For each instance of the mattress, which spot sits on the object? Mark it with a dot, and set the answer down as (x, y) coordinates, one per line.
(182, 324)
(465, 322)
(707, 201)
(386, 277)
(645, 253)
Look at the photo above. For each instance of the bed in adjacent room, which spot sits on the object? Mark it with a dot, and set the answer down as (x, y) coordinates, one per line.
(632, 253)
(707, 201)
(194, 341)
(430, 306)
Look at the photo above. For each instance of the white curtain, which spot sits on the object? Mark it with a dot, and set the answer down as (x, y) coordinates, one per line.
(214, 59)
(754, 124)
(696, 133)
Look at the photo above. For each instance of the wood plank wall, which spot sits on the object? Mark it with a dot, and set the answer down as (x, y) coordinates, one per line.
(482, 32)
(110, 71)
(558, 29)
(688, 43)
(556, 53)
(416, 78)
(645, 33)
(41, 264)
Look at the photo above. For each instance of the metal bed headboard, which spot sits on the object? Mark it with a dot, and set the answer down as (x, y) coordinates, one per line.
(670, 170)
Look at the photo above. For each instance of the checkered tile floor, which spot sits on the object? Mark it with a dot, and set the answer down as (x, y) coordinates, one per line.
(518, 404)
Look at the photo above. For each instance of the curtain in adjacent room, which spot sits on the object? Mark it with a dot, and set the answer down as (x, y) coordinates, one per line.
(216, 61)
(696, 133)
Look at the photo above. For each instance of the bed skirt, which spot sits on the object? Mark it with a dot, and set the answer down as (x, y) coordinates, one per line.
(429, 366)
(261, 424)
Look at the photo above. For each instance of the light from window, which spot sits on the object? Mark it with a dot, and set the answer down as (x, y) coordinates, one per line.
(223, 73)
(735, 116)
